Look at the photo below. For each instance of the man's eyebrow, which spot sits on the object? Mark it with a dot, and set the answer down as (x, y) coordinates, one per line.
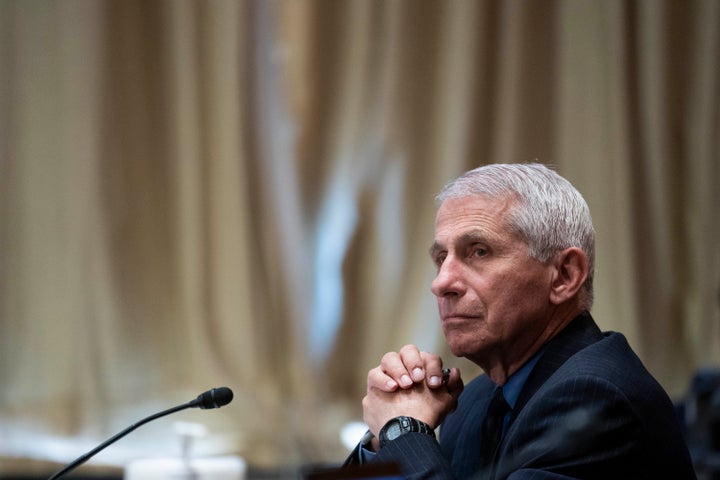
(468, 238)
(472, 237)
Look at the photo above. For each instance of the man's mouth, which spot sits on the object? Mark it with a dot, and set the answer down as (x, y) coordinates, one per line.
(457, 317)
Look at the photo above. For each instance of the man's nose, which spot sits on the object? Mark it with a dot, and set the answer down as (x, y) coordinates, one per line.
(448, 280)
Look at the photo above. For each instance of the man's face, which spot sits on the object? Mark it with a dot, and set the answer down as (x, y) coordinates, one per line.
(492, 296)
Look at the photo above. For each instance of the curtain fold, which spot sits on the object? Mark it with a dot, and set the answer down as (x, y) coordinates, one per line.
(240, 193)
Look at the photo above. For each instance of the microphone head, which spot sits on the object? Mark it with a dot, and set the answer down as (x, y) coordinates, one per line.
(214, 398)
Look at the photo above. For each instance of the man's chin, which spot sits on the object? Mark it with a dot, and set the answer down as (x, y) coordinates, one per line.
(471, 351)
(460, 350)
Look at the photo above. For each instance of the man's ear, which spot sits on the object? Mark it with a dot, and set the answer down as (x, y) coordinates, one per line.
(571, 270)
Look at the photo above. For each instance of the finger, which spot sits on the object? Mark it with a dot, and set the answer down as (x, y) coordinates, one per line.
(433, 369)
(414, 362)
(392, 365)
(381, 381)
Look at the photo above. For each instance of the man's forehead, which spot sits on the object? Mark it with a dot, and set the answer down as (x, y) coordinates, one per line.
(467, 204)
(467, 237)
(473, 219)
(477, 212)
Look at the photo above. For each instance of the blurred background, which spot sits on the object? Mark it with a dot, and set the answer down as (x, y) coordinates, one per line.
(241, 193)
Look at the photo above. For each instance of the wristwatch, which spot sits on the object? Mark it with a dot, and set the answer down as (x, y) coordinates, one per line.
(400, 426)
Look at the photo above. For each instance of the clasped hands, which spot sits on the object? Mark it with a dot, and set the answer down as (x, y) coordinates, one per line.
(410, 383)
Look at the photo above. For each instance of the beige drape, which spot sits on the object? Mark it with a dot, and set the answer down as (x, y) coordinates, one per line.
(204, 193)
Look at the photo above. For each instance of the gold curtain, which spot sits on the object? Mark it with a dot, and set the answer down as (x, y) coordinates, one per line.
(204, 193)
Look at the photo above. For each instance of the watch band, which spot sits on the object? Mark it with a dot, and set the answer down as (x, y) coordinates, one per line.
(399, 426)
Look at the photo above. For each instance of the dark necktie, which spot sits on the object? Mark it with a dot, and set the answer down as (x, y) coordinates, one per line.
(492, 426)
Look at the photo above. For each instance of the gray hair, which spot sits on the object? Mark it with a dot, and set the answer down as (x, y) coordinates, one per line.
(550, 214)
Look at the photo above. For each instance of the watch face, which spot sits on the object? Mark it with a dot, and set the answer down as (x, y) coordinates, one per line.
(393, 431)
(401, 425)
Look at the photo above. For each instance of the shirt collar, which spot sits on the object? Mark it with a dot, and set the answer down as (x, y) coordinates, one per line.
(516, 382)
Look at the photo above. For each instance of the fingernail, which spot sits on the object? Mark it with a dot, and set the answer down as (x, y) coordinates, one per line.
(434, 381)
(391, 383)
(405, 381)
(418, 374)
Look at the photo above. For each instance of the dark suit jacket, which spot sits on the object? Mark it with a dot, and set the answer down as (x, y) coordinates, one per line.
(589, 410)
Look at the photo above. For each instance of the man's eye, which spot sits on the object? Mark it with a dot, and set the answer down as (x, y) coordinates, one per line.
(439, 260)
(480, 252)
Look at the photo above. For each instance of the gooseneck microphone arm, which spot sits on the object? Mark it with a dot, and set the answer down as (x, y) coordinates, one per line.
(87, 456)
(214, 398)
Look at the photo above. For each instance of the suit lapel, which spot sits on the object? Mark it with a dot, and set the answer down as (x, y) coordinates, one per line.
(580, 333)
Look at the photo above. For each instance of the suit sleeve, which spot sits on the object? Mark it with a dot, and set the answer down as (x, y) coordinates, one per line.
(418, 455)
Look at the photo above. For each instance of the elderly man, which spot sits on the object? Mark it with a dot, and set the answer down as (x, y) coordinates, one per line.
(514, 251)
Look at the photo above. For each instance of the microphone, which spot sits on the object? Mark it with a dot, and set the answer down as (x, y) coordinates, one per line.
(213, 398)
